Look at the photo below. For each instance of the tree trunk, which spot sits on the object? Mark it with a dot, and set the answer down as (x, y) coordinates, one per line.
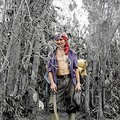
(87, 96)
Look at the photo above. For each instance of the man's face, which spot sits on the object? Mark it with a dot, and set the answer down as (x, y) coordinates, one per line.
(60, 42)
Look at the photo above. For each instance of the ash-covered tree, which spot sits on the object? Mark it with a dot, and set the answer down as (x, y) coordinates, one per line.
(103, 56)
(26, 28)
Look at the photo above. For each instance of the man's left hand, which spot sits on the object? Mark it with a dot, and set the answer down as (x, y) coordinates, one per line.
(78, 87)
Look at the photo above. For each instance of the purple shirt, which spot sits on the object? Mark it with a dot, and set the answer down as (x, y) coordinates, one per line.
(53, 65)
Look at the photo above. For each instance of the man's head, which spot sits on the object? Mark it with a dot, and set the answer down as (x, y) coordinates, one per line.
(62, 41)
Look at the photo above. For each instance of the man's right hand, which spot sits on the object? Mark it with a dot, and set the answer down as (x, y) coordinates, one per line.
(53, 87)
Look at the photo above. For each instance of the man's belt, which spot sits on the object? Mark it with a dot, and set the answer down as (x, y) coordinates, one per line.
(63, 76)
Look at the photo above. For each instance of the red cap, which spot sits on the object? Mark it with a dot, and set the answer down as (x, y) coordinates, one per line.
(65, 37)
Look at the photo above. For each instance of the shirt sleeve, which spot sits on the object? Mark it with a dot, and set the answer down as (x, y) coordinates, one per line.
(75, 60)
(49, 65)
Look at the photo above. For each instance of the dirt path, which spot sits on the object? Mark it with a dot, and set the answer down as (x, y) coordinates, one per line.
(63, 116)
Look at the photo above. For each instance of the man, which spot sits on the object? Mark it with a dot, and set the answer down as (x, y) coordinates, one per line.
(64, 77)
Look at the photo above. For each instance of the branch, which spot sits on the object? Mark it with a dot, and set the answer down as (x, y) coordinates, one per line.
(114, 29)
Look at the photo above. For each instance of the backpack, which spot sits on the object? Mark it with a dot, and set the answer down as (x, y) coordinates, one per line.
(82, 64)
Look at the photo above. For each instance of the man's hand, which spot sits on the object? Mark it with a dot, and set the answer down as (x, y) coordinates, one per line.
(53, 87)
(78, 87)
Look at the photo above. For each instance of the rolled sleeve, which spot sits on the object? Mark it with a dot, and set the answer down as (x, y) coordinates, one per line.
(75, 61)
(49, 65)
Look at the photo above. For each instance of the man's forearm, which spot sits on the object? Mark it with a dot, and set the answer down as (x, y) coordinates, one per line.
(50, 75)
(77, 76)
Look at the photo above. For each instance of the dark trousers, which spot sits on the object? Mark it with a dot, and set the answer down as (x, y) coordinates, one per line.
(64, 96)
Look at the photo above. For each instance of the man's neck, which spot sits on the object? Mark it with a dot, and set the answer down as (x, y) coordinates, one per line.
(60, 51)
